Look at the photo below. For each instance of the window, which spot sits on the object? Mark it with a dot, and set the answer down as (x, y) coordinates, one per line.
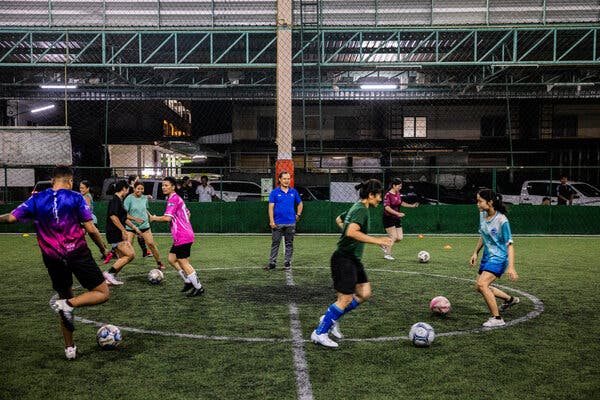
(564, 126)
(265, 127)
(345, 127)
(493, 126)
(540, 189)
(415, 127)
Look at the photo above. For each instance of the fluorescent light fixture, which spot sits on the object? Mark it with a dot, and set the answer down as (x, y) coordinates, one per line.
(379, 86)
(58, 86)
(36, 110)
(176, 67)
(199, 157)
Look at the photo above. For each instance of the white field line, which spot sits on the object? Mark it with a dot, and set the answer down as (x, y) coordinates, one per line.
(303, 385)
(296, 331)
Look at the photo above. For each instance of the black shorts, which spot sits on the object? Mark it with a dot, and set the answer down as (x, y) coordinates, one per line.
(347, 272)
(141, 230)
(182, 251)
(79, 263)
(389, 221)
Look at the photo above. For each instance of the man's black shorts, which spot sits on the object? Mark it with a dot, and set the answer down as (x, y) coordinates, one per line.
(347, 271)
(389, 221)
(79, 263)
(182, 251)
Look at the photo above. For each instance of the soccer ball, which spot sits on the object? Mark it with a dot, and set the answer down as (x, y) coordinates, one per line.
(421, 334)
(108, 337)
(155, 276)
(423, 256)
(440, 305)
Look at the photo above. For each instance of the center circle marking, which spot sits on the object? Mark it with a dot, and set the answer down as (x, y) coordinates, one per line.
(538, 308)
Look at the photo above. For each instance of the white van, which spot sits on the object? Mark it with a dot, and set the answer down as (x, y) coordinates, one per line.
(534, 192)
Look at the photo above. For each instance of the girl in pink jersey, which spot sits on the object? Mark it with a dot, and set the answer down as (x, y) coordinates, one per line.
(178, 216)
(392, 217)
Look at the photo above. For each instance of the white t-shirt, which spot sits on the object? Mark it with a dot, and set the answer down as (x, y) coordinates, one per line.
(205, 193)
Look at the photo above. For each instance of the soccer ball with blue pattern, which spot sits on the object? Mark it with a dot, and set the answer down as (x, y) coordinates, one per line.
(155, 276)
(109, 337)
(421, 334)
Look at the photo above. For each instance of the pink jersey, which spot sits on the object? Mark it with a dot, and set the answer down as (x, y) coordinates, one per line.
(393, 201)
(181, 228)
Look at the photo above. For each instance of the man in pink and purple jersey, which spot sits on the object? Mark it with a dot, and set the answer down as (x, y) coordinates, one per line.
(58, 214)
(178, 216)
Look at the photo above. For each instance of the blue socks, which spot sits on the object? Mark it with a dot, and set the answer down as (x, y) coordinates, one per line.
(333, 314)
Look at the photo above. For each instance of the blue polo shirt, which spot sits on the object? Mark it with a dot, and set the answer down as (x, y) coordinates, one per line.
(284, 212)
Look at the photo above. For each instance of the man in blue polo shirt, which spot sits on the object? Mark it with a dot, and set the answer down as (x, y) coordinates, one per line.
(282, 218)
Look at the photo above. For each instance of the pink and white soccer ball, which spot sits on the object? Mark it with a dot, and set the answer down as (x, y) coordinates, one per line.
(440, 305)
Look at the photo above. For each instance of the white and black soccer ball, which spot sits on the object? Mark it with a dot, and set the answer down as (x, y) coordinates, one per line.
(155, 276)
(423, 256)
(421, 334)
(440, 305)
(109, 337)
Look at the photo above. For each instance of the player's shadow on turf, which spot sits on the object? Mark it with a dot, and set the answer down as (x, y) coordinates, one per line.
(317, 294)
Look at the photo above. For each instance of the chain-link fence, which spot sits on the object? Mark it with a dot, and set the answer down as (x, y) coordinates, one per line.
(449, 96)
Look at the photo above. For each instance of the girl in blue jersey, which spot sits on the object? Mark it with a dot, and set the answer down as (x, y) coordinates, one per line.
(498, 254)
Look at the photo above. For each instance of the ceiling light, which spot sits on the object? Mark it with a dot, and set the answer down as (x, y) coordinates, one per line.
(379, 86)
(36, 110)
(58, 86)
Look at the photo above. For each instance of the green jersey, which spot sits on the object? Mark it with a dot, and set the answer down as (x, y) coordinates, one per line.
(358, 214)
(136, 207)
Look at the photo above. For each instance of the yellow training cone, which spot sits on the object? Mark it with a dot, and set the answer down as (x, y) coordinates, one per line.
(25, 235)
(447, 247)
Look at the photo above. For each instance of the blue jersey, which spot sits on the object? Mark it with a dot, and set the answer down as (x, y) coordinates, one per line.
(284, 212)
(57, 216)
(496, 236)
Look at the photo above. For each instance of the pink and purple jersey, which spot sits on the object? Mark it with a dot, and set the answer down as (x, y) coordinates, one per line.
(181, 228)
(57, 216)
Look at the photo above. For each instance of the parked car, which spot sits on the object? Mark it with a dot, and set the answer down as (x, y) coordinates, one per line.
(237, 190)
(430, 193)
(310, 194)
(40, 186)
(534, 191)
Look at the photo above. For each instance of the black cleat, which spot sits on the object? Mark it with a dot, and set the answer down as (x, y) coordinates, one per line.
(196, 292)
(287, 266)
(187, 286)
(509, 303)
(269, 267)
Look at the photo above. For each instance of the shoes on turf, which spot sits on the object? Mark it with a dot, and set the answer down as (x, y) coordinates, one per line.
(66, 313)
(111, 280)
(388, 257)
(287, 266)
(108, 257)
(509, 303)
(148, 254)
(187, 286)
(322, 339)
(334, 330)
(269, 267)
(493, 322)
(71, 352)
(196, 292)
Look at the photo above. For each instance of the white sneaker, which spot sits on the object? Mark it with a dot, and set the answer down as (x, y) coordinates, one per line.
(493, 322)
(71, 352)
(334, 330)
(111, 280)
(322, 339)
(388, 257)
